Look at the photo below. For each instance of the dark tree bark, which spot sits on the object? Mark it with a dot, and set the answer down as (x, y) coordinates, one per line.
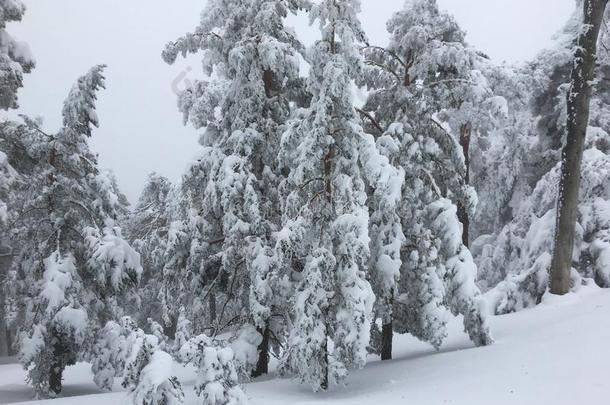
(465, 133)
(212, 304)
(3, 330)
(4, 266)
(262, 365)
(58, 365)
(268, 82)
(324, 383)
(56, 377)
(578, 105)
(387, 334)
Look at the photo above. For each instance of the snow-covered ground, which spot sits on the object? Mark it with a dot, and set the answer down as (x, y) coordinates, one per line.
(556, 353)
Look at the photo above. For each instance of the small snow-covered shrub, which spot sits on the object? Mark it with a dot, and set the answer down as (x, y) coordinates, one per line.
(148, 371)
(217, 379)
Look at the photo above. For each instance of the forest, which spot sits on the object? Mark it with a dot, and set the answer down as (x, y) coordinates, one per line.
(316, 234)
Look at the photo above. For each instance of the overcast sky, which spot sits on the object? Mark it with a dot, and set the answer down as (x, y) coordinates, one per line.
(141, 130)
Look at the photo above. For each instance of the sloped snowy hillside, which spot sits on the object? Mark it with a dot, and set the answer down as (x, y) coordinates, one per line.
(554, 354)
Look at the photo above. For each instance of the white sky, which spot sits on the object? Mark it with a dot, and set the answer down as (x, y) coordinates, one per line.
(141, 129)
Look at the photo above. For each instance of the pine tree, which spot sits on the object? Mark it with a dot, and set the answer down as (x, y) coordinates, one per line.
(15, 56)
(325, 236)
(7, 177)
(183, 332)
(15, 60)
(428, 99)
(73, 263)
(147, 229)
(232, 187)
(502, 165)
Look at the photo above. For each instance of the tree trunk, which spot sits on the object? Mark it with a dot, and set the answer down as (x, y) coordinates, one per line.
(465, 133)
(268, 82)
(324, 383)
(3, 330)
(4, 266)
(57, 367)
(578, 105)
(262, 365)
(387, 334)
(56, 376)
(212, 305)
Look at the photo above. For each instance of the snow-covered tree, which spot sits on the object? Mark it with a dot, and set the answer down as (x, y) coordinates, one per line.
(15, 61)
(147, 229)
(252, 74)
(430, 73)
(7, 177)
(183, 332)
(157, 331)
(504, 155)
(325, 236)
(15, 56)
(518, 257)
(511, 160)
(72, 262)
(428, 98)
(217, 379)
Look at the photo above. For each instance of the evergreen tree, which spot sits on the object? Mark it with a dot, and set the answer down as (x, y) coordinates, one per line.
(183, 332)
(232, 188)
(15, 60)
(15, 56)
(7, 177)
(428, 98)
(147, 229)
(72, 263)
(325, 238)
(502, 165)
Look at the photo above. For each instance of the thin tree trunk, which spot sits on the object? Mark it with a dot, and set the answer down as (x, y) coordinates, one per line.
(268, 82)
(4, 266)
(3, 329)
(465, 133)
(262, 365)
(324, 384)
(212, 305)
(56, 376)
(578, 106)
(387, 334)
(57, 366)
(171, 328)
